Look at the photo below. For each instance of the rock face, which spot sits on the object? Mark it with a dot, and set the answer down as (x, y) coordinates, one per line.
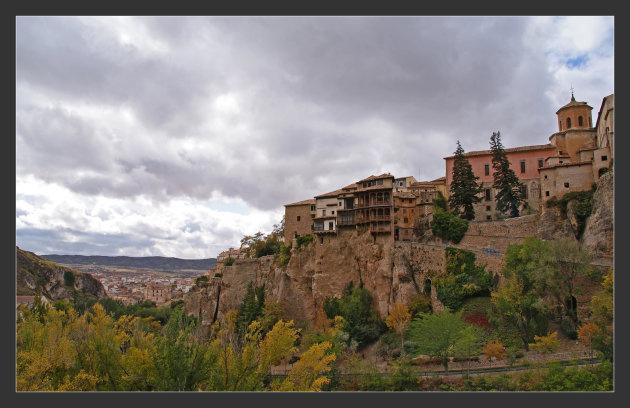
(599, 232)
(391, 271)
(35, 273)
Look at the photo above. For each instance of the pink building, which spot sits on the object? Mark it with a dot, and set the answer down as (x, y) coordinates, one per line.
(526, 162)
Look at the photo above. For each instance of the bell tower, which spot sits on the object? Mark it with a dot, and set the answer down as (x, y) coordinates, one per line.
(574, 115)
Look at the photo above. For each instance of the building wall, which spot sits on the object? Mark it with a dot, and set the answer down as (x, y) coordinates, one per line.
(579, 177)
(606, 125)
(571, 141)
(291, 224)
(478, 165)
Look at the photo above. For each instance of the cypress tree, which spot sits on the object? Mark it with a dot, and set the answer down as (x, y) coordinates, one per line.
(509, 195)
(464, 188)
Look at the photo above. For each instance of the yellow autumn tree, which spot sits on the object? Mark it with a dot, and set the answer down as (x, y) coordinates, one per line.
(546, 344)
(308, 373)
(278, 344)
(397, 320)
(586, 335)
(493, 349)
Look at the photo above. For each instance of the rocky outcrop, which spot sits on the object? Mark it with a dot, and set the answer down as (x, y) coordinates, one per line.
(35, 273)
(598, 234)
(391, 271)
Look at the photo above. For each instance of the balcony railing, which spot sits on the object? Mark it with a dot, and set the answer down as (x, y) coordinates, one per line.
(372, 203)
(370, 218)
(345, 222)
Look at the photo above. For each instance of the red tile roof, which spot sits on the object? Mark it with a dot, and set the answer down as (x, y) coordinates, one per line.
(382, 176)
(510, 150)
(304, 202)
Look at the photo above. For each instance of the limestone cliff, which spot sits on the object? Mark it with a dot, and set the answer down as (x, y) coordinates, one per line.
(35, 273)
(598, 235)
(391, 271)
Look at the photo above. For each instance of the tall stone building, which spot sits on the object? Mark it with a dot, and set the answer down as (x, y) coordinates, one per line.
(298, 219)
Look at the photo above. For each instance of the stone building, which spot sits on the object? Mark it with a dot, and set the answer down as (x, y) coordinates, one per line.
(298, 219)
(346, 207)
(157, 293)
(405, 215)
(325, 220)
(403, 183)
(374, 203)
(525, 161)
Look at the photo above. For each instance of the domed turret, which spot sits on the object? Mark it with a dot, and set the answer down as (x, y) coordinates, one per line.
(574, 115)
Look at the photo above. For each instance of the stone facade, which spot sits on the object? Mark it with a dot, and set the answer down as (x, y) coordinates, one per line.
(298, 219)
(158, 293)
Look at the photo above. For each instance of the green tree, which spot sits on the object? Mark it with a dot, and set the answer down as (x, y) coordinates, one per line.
(509, 195)
(250, 309)
(464, 188)
(438, 334)
(520, 310)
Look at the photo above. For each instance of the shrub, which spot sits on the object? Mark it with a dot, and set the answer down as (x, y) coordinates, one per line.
(218, 275)
(303, 240)
(284, 256)
(203, 278)
(568, 327)
(229, 262)
(462, 279)
(448, 226)
(68, 278)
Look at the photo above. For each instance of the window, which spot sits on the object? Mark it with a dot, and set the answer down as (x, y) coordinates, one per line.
(312, 207)
(404, 211)
(487, 194)
(604, 158)
(298, 217)
(566, 185)
(541, 163)
(379, 182)
(546, 193)
(590, 124)
(568, 123)
(560, 122)
(546, 177)
(333, 212)
(561, 162)
(580, 123)
(340, 204)
(522, 166)
(324, 212)
(400, 183)
(486, 169)
(524, 191)
(331, 225)
(488, 217)
(406, 220)
(487, 208)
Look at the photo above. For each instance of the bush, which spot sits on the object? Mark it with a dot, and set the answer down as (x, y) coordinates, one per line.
(463, 279)
(218, 275)
(229, 262)
(68, 278)
(362, 321)
(304, 240)
(284, 256)
(203, 278)
(448, 226)
(568, 327)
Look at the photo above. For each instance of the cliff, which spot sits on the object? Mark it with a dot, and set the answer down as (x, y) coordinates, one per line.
(391, 271)
(35, 273)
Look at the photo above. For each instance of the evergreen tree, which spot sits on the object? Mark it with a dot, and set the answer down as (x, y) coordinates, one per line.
(464, 188)
(509, 196)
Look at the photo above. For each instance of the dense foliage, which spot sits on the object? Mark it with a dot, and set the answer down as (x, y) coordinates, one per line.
(362, 321)
(462, 279)
(582, 208)
(509, 195)
(464, 188)
(448, 226)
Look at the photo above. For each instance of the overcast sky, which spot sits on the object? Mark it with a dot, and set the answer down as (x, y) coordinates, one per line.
(177, 136)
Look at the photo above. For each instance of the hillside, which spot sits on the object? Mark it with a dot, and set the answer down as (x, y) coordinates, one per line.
(156, 263)
(34, 272)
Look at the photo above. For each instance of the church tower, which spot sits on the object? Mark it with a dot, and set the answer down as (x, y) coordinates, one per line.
(574, 115)
(575, 133)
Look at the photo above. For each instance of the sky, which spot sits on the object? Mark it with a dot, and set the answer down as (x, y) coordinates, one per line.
(177, 136)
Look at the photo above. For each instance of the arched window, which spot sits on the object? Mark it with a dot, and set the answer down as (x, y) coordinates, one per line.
(568, 123)
(580, 123)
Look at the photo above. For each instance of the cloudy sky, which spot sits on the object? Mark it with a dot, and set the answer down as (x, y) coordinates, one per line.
(177, 136)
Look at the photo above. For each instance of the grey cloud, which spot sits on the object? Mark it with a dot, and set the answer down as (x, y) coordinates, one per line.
(307, 84)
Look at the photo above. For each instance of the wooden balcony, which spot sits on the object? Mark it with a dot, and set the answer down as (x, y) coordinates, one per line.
(374, 218)
(374, 203)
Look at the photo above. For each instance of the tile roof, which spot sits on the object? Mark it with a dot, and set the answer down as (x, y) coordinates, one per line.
(304, 202)
(509, 150)
(384, 175)
(331, 194)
